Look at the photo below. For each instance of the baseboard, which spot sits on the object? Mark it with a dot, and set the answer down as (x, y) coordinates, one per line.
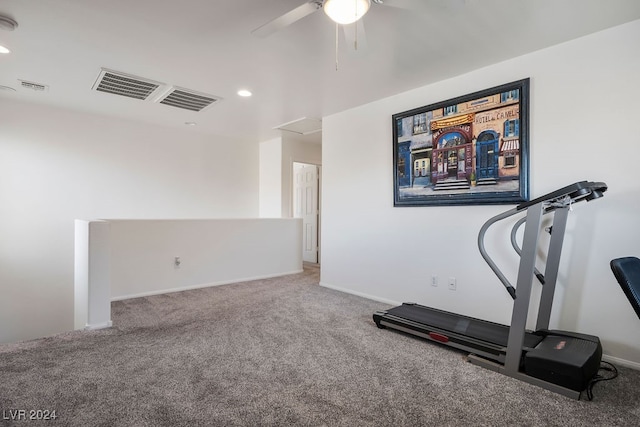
(200, 286)
(97, 326)
(621, 362)
(360, 294)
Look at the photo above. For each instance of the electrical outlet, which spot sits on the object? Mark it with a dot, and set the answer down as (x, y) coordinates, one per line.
(452, 283)
(177, 262)
(434, 280)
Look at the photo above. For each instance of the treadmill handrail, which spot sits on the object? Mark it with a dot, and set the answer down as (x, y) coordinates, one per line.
(509, 287)
(514, 244)
(582, 190)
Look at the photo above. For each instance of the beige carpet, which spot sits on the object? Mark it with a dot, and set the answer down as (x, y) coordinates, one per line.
(277, 352)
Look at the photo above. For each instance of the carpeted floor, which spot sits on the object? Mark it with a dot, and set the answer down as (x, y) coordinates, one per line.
(276, 352)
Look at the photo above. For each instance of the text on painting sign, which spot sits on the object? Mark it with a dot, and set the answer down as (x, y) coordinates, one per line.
(490, 116)
(464, 128)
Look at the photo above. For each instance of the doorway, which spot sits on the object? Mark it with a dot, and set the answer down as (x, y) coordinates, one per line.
(306, 205)
(487, 155)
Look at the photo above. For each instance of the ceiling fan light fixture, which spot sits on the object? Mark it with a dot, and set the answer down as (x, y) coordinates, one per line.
(346, 11)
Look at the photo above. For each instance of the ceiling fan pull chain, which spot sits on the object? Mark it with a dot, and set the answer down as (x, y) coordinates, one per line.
(355, 26)
(355, 39)
(337, 46)
(355, 42)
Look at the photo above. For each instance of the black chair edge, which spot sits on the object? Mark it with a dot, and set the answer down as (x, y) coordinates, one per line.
(627, 272)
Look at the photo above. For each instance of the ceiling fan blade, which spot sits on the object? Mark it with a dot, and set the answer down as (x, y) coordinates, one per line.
(355, 37)
(287, 19)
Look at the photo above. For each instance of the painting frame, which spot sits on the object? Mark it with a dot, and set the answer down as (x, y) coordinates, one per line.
(468, 150)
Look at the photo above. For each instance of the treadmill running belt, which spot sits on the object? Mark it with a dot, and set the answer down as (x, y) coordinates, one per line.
(483, 330)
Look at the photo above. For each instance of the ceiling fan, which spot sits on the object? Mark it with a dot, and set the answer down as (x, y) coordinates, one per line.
(344, 12)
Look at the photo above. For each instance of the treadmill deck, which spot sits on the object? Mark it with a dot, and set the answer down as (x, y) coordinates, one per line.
(465, 332)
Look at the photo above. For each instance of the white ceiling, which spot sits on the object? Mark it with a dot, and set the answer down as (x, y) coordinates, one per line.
(207, 46)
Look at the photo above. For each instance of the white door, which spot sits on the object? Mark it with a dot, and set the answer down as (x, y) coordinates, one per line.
(305, 197)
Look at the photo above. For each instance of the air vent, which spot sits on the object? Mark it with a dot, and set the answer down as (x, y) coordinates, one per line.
(303, 126)
(188, 99)
(38, 87)
(122, 84)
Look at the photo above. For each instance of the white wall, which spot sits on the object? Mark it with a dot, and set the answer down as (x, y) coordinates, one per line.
(584, 111)
(57, 166)
(92, 276)
(212, 252)
(271, 178)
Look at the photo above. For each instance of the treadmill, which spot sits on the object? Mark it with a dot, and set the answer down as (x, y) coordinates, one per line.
(560, 361)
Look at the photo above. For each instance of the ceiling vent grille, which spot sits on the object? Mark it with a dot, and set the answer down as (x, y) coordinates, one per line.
(188, 99)
(127, 85)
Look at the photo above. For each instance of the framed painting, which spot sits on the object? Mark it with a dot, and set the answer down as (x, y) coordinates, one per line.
(473, 149)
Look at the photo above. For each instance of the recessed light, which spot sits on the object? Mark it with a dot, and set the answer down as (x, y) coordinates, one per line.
(4, 49)
(190, 123)
(244, 93)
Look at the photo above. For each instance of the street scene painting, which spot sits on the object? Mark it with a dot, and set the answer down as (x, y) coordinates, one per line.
(473, 149)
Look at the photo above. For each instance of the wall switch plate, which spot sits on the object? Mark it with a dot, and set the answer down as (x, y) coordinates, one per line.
(434, 280)
(452, 283)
